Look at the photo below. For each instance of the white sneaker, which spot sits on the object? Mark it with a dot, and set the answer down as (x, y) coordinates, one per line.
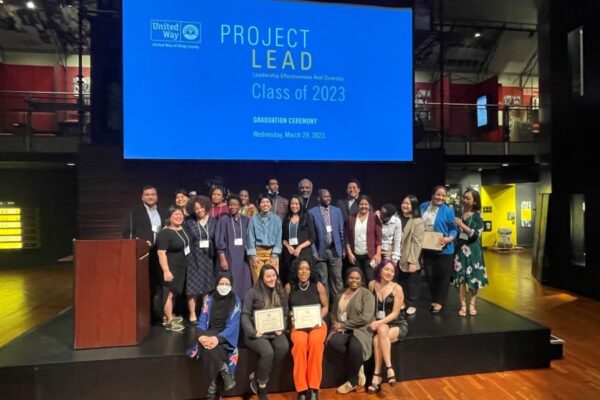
(174, 326)
(176, 318)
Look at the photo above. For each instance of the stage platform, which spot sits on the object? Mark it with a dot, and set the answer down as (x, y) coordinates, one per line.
(42, 364)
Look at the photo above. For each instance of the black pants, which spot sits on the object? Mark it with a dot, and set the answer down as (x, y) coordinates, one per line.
(270, 353)
(350, 348)
(214, 361)
(364, 263)
(439, 270)
(411, 285)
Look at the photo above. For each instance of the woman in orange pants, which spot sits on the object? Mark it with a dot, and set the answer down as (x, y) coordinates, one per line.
(308, 342)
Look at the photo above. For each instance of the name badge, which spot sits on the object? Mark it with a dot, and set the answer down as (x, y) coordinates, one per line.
(328, 228)
(238, 242)
(463, 236)
(155, 228)
(380, 315)
(293, 241)
(204, 244)
(186, 250)
(343, 317)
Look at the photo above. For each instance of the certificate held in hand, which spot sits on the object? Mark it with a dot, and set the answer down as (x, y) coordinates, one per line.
(431, 241)
(269, 320)
(307, 317)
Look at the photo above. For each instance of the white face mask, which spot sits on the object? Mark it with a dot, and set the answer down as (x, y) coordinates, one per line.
(223, 289)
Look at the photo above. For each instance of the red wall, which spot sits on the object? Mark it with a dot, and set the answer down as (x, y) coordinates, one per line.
(32, 78)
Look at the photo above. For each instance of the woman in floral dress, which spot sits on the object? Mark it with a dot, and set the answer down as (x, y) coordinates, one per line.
(469, 270)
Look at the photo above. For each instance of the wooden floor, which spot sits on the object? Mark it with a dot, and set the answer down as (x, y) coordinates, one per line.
(31, 296)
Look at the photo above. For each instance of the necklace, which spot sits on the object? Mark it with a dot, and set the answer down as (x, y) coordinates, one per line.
(305, 288)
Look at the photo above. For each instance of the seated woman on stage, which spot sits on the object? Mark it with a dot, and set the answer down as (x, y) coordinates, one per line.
(271, 347)
(263, 244)
(304, 290)
(389, 325)
(350, 335)
(173, 244)
(218, 329)
(298, 235)
(247, 208)
(363, 239)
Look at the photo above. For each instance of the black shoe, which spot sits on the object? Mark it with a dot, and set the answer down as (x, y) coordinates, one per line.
(254, 386)
(302, 395)
(313, 394)
(228, 380)
(262, 393)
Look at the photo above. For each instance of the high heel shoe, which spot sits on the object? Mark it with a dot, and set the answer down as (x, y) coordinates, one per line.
(391, 379)
(375, 387)
(472, 309)
(463, 309)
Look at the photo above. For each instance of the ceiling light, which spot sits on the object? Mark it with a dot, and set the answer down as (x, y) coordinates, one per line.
(30, 5)
(477, 34)
(505, 165)
(479, 169)
(71, 164)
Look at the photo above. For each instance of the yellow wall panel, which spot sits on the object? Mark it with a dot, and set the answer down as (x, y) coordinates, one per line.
(502, 199)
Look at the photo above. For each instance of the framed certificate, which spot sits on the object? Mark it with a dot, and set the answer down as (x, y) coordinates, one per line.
(431, 241)
(307, 316)
(269, 320)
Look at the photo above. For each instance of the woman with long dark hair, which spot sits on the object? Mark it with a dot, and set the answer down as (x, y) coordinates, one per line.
(413, 231)
(298, 235)
(439, 217)
(270, 347)
(363, 239)
(469, 269)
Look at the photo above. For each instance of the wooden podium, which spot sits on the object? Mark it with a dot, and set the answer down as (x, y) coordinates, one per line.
(112, 293)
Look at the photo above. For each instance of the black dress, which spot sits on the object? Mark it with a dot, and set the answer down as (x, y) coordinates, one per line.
(200, 265)
(174, 242)
(302, 231)
(387, 305)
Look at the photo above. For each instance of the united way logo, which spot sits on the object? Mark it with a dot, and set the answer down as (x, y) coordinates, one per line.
(190, 32)
(175, 31)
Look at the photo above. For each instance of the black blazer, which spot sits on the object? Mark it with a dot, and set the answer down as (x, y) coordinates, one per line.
(137, 223)
(306, 230)
(309, 203)
(342, 204)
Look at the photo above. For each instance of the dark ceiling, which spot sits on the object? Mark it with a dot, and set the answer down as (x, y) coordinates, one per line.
(506, 41)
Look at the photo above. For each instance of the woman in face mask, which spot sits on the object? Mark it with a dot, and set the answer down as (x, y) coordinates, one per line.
(219, 327)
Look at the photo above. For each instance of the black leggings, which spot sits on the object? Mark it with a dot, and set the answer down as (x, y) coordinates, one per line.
(270, 353)
(351, 349)
(439, 270)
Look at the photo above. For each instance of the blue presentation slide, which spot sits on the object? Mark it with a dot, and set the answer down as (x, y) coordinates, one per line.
(267, 80)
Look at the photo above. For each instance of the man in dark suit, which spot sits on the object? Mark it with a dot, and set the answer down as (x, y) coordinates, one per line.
(349, 205)
(328, 249)
(305, 188)
(144, 221)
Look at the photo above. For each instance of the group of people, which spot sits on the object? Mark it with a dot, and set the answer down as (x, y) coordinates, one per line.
(236, 258)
